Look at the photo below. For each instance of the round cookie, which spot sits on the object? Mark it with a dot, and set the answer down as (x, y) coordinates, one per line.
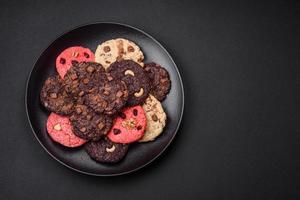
(109, 97)
(83, 77)
(135, 78)
(88, 124)
(156, 119)
(160, 80)
(129, 126)
(54, 97)
(60, 130)
(71, 56)
(106, 151)
(118, 49)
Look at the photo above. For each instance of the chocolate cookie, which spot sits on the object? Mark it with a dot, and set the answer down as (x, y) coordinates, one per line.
(135, 78)
(160, 80)
(109, 97)
(88, 124)
(82, 77)
(54, 97)
(106, 151)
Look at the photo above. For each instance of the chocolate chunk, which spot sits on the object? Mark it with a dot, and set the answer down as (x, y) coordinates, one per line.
(122, 115)
(86, 55)
(106, 49)
(62, 61)
(74, 62)
(154, 117)
(135, 112)
(130, 49)
(116, 131)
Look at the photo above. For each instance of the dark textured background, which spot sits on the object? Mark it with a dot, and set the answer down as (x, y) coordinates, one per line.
(241, 128)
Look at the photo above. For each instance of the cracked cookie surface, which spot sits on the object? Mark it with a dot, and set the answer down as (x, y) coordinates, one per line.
(160, 80)
(135, 78)
(88, 124)
(54, 97)
(109, 97)
(118, 49)
(106, 151)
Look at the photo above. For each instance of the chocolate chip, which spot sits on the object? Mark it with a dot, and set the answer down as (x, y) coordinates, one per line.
(74, 62)
(86, 55)
(62, 61)
(130, 49)
(116, 131)
(154, 117)
(106, 49)
(122, 115)
(135, 112)
(139, 127)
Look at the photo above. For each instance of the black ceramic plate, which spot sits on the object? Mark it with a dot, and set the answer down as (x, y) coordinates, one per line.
(140, 154)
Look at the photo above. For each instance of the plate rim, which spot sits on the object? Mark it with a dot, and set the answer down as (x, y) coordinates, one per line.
(111, 174)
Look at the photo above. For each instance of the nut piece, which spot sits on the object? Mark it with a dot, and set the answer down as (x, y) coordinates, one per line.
(119, 94)
(75, 54)
(57, 127)
(83, 129)
(139, 93)
(90, 69)
(101, 125)
(53, 95)
(129, 72)
(111, 149)
(86, 81)
(78, 110)
(81, 93)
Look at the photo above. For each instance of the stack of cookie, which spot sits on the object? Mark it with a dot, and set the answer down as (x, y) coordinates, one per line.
(105, 100)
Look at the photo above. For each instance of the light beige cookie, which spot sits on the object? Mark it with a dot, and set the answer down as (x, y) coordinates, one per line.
(156, 119)
(118, 49)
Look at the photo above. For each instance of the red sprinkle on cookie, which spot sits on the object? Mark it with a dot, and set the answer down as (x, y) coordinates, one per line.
(129, 126)
(70, 56)
(60, 130)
